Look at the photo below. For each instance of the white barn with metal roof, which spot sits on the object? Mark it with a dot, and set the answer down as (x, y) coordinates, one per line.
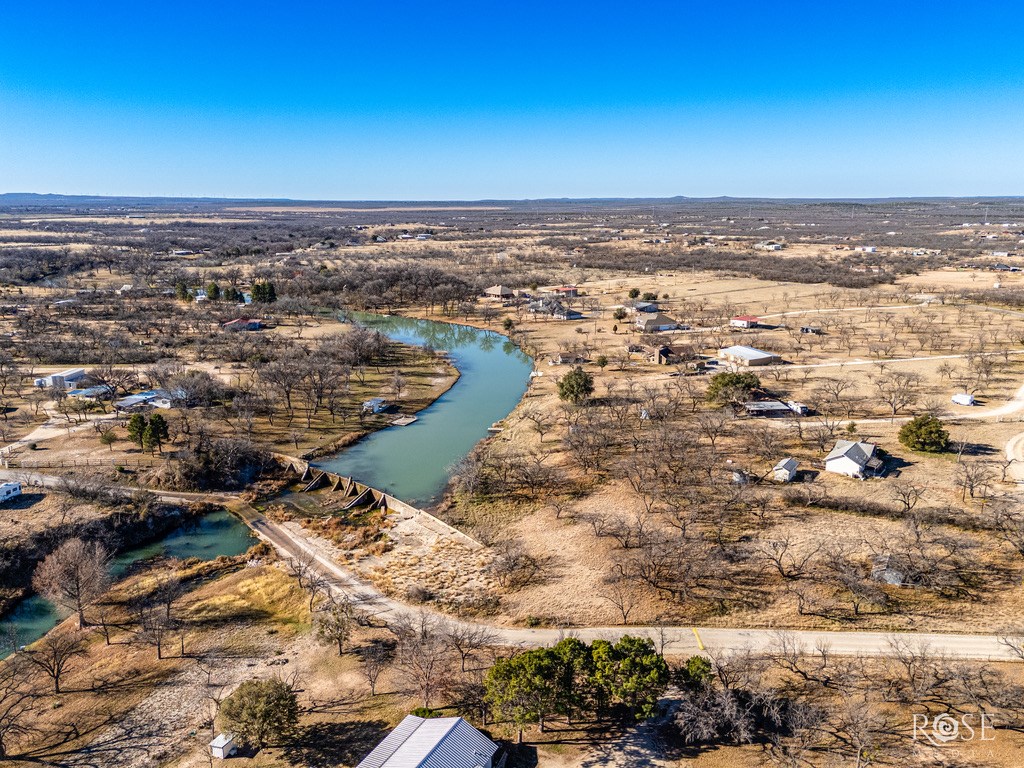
(740, 355)
(440, 742)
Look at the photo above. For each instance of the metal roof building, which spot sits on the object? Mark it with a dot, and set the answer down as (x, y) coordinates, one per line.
(741, 355)
(768, 408)
(441, 742)
(854, 459)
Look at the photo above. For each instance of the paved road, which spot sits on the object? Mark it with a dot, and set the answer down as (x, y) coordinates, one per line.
(290, 540)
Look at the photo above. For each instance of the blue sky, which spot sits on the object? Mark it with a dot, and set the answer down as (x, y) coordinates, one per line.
(459, 100)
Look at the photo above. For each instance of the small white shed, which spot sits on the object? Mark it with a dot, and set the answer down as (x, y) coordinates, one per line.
(223, 746)
(785, 470)
(963, 399)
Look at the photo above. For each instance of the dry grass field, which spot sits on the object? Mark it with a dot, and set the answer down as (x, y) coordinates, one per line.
(572, 532)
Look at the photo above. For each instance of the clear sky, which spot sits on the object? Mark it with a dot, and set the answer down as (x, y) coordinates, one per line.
(471, 100)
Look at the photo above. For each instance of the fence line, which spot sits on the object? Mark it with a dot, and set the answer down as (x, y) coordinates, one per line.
(73, 463)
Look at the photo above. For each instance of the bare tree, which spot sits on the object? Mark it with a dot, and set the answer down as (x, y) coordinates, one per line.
(906, 494)
(789, 564)
(622, 594)
(334, 621)
(513, 566)
(169, 588)
(467, 639)
(18, 701)
(423, 655)
(152, 626)
(215, 690)
(54, 653)
(1009, 525)
(118, 379)
(317, 585)
(376, 657)
(74, 575)
(973, 478)
(540, 421)
(301, 567)
(898, 389)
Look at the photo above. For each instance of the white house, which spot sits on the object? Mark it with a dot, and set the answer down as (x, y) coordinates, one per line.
(853, 459)
(963, 398)
(223, 746)
(439, 742)
(740, 355)
(64, 379)
(9, 491)
(744, 321)
(785, 470)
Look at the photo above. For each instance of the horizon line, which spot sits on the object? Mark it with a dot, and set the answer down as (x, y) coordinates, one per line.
(53, 197)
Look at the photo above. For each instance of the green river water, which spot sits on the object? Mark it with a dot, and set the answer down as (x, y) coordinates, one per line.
(413, 463)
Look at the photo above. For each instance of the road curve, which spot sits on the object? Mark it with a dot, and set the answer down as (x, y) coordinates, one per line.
(290, 540)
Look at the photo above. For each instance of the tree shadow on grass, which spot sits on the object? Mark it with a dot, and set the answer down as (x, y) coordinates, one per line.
(335, 743)
(521, 756)
(106, 739)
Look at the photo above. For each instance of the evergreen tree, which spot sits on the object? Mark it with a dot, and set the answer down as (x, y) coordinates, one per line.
(160, 429)
(576, 386)
(263, 292)
(524, 689)
(575, 669)
(149, 439)
(572, 679)
(729, 387)
(182, 292)
(136, 426)
(213, 291)
(630, 673)
(925, 433)
(261, 712)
